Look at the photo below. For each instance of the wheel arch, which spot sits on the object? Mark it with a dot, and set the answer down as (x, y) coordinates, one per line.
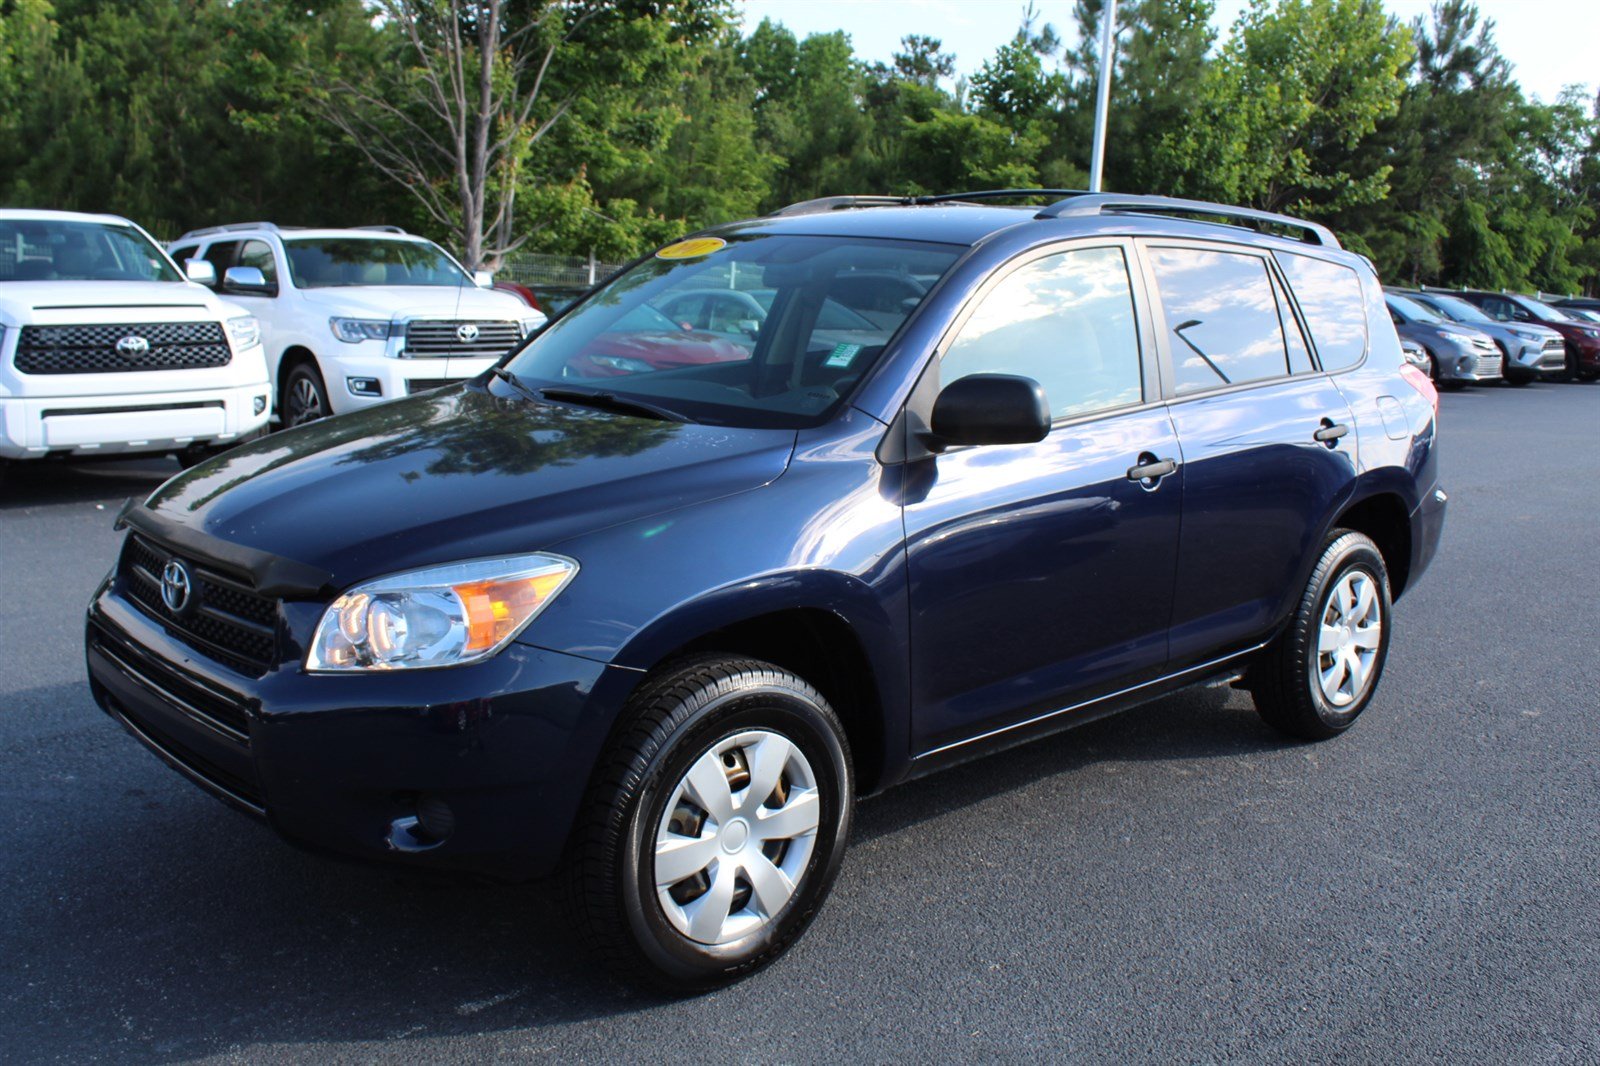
(1383, 517)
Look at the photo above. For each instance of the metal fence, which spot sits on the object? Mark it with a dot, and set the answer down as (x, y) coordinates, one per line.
(536, 269)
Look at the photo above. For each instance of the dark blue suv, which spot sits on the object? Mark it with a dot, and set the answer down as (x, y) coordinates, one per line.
(777, 517)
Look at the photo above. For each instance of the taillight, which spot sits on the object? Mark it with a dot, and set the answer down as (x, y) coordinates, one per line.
(1423, 384)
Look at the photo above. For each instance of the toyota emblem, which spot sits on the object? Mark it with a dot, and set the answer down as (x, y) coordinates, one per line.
(176, 586)
(468, 332)
(133, 346)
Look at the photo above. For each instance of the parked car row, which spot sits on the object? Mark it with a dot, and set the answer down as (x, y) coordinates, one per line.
(1474, 336)
(111, 345)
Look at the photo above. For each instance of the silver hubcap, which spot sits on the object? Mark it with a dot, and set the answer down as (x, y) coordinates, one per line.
(736, 836)
(305, 404)
(1348, 638)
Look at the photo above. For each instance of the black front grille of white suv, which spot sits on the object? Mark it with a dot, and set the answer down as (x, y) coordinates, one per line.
(436, 337)
(119, 348)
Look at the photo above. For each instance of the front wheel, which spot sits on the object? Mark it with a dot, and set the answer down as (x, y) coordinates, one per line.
(1320, 674)
(305, 397)
(715, 827)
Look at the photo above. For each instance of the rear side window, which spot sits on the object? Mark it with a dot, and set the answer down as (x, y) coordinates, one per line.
(1329, 295)
(1066, 321)
(1222, 318)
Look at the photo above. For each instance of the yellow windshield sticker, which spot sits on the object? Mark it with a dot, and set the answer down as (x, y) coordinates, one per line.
(692, 249)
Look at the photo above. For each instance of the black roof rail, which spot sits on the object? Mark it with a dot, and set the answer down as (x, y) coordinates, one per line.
(993, 194)
(1100, 203)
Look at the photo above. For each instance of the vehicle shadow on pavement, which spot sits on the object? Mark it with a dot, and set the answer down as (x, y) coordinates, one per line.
(45, 482)
(183, 929)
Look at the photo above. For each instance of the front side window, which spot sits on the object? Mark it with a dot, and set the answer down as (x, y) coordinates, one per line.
(59, 250)
(756, 331)
(1222, 318)
(1066, 321)
(222, 255)
(258, 254)
(334, 262)
(1329, 295)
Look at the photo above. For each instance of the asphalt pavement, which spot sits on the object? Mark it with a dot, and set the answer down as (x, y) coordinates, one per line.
(1177, 883)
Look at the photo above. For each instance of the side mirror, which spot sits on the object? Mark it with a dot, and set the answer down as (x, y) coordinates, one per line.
(248, 281)
(200, 271)
(991, 409)
(483, 279)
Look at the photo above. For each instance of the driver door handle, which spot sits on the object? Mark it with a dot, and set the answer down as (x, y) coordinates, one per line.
(1151, 469)
(1330, 432)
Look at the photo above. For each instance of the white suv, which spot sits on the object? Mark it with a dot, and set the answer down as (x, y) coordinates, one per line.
(354, 317)
(106, 348)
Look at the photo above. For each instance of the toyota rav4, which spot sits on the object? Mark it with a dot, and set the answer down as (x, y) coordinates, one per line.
(661, 624)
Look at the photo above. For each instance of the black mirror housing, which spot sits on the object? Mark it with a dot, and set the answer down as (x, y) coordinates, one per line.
(991, 409)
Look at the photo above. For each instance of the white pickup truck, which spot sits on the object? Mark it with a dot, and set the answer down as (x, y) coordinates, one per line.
(107, 348)
(355, 317)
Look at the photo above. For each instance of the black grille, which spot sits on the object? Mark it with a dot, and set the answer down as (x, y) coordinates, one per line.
(93, 349)
(195, 697)
(416, 385)
(437, 337)
(226, 620)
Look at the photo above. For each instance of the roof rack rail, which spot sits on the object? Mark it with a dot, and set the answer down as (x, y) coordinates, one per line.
(1084, 204)
(206, 231)
(843, 203)
(839, 203)
(383, 229)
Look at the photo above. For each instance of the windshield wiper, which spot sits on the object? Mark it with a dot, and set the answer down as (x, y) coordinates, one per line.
(515, 382)
(609, 401)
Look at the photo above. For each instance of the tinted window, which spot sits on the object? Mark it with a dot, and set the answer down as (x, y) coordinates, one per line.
(183, 252)
(1330, 298)
(259, 255)
(329, 262)
(53, 249)
(1066, 321)
(1222, 317)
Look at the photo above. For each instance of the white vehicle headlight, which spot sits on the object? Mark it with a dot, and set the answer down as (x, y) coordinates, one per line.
(244, 331)
(356, 330)
(1458, 338)
(531, 324)
(441, 616)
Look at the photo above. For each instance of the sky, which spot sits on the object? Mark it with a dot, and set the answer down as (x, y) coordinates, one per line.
(1550, 43)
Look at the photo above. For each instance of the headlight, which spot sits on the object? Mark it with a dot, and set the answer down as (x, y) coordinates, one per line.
(244, 331)
(1524, 334)
(356, 330)
(531, 324)
(1458, 338)
(441, 616)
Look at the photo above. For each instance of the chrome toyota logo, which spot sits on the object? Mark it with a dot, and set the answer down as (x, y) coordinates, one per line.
(468, 332)
(175, 586)
(133, 345)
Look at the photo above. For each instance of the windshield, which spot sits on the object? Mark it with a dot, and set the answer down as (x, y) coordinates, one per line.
(1458, 309)
(1411, 310)
(58, 250)
(752, 331)
(1543, 312)
(330, 262)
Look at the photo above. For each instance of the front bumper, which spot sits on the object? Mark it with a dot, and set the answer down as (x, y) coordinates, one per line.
(130, 423)
(363, 375)
(1531, 360)
(344, 764)
(1464, 362)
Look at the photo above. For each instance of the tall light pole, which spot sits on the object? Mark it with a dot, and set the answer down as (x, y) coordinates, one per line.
(1102, 102)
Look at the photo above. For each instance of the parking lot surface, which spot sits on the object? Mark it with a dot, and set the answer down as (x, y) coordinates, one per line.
(1177, 883)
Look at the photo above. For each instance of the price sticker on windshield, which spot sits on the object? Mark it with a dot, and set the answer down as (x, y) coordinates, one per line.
(693, 248)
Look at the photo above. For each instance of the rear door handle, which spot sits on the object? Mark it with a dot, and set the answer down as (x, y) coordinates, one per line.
(1330, 432)
(1151, 469)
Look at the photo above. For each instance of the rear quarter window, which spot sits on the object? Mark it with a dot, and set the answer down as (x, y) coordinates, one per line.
(1329, 295)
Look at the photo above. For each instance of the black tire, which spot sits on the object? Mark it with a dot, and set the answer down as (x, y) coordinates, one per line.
(670, 723)
(1284, 680)
(305, 396)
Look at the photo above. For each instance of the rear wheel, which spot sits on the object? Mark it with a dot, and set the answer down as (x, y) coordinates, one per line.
(1321, 672)
(715, 828)
(305, 397)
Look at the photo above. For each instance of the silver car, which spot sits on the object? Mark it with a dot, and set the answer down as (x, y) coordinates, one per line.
(1459, 354)
(1528, 351)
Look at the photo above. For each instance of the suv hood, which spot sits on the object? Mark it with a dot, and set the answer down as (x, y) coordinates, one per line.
(458, 474)
(444, 301)
(24, 303)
